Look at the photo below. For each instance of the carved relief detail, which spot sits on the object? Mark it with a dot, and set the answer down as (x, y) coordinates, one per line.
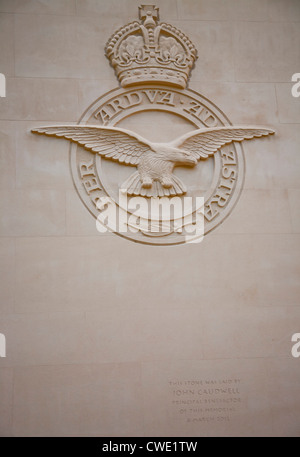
(149, 52)
(153, 62)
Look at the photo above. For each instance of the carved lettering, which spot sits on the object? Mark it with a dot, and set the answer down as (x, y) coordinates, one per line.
(132, 99)
(90, 185)
(167, 98)
(228, 158)
(151, 95)
(221, 197)
(197, 110)
(229, 172)
(228, 184)
(116, 105)
(209, 119)
(210, 212)
(104, 115)
(95, 199)
(87, 168)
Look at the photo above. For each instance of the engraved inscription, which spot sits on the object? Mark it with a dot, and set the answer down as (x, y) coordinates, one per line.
(89, 179)
(154, 98)
(225, 186)
(205, 400)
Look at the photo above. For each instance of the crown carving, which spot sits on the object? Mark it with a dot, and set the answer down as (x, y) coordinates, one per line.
(151, 52)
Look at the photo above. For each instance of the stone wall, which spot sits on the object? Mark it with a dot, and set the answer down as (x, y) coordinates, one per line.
(106, 337)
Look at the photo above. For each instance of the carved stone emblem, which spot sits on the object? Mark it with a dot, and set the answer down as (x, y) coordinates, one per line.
(153, 61)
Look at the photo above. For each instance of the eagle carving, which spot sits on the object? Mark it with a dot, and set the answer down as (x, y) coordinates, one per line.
(155, 162)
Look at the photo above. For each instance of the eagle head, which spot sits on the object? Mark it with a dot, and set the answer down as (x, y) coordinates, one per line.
(175, 155)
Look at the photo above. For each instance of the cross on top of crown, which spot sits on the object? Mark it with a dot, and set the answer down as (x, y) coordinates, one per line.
(149, 15)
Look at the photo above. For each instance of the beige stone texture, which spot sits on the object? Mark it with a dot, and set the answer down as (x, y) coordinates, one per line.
(271, 325)
(215, 49)
(294, 199)
(263, 266)
(7, 271)
(283, 395)
(36, 213)
(106, 337)
(249, 10)
(284, 11)
(90, 89)
(67, 48)
(78, 400)
(263, 162)
(40, 99)
(78, 219)
(38, 6)
(44, 338)
(195, 10)
(260, 211)
(288, 106)
(7, 64)
(7, 155)
(260, 59)
(243, 103)
(6, 401)
(169, 335)
(47, 170)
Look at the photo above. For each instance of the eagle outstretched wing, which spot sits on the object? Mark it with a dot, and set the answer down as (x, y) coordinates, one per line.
(112, 143)
(203, 143)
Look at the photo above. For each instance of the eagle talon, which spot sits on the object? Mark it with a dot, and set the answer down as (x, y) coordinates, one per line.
(166, 183)
(147, 183)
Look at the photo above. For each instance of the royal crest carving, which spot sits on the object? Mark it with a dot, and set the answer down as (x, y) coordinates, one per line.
(153, 61)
